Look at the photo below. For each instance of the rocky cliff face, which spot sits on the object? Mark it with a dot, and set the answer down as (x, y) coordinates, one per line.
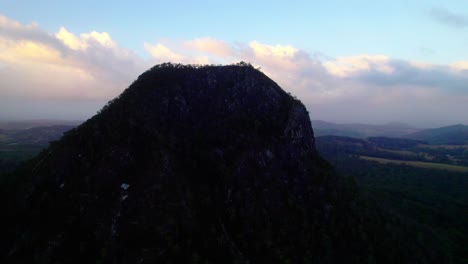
(208, 164)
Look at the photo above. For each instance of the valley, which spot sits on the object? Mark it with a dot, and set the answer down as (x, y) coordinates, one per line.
(418, 164)
(22, 141)
(423, 185)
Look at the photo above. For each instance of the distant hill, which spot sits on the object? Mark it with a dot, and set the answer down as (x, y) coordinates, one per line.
(324, 128)
(26, 124)
(332, 146)
(398, 150)
(395, 143)
(18, 145)
(37, 135)
(449, 135)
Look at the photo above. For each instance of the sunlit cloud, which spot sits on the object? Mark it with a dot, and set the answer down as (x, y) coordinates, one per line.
(70, 40)
(267, 51)
(460, 66)
(346, 66)
(163, 53)
(26, 52)
(211, 46)
(60, 67)
(63, 66)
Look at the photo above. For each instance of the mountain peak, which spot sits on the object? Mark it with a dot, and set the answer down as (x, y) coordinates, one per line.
(187, 160)
(202, 164)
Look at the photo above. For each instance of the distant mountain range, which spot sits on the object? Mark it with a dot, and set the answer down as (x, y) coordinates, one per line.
(450, 135)
(27, 124)
(42, 132)
(17, 145)
(324, 128)
(42, 135)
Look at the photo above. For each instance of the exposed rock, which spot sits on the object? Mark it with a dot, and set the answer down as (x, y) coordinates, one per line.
(193, 165)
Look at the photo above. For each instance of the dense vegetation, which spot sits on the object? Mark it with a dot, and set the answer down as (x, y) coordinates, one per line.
(323, 128)
(433, 201)
(198, 164)
(395, 149)
(18, 145)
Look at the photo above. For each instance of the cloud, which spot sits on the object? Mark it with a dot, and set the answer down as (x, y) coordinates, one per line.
(65, 68)
(345, 66)
(271, 58)
(213, 46)
(61, 66)
(460, 66)
(365, 88)
(449, 78)
(449, 18)
(12, 31)
(85, 40)
(163, 53)
(279, 52)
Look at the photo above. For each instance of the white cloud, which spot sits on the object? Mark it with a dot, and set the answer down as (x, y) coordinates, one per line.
(89, 67)
(460, 66)
(346, 66)
(268, 51)
(70, 39)
(62, 65)
(163, 53)
(361, 87)
(36, 65)
(210, 45)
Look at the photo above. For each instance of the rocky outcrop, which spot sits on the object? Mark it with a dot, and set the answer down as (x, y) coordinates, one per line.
(208, 164)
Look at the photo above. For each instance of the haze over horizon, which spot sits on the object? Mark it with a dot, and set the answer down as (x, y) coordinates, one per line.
(354, 62)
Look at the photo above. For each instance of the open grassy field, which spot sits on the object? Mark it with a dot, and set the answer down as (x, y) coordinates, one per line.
(419, 164)
(443, 146)
(399, 152)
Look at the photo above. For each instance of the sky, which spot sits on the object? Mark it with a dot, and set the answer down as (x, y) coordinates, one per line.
(347, 61)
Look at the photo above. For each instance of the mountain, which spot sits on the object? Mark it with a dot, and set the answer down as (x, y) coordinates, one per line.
(449, 135)
(324, 128)
(199, 164)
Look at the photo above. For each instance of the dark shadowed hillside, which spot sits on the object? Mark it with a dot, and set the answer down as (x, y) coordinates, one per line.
(212, 164)
(450, 135)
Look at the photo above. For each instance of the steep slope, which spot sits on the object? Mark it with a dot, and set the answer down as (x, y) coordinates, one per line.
(207, 164)
(450, 135)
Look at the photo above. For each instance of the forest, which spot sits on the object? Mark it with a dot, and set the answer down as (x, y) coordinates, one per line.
(434, 201)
